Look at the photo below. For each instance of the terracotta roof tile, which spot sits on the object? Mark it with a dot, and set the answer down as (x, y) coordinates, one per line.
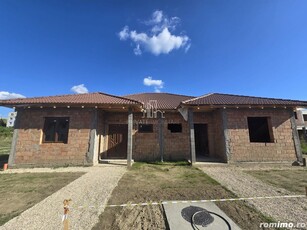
(229, 99)
(164, 100)
(88, 98)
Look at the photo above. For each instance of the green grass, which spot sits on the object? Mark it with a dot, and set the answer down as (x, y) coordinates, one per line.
(292, 180)
(304, 146)
(6, 135)
(6, 132)
(21, 191)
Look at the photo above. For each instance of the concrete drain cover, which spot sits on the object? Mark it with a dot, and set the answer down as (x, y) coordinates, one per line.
(185, 216)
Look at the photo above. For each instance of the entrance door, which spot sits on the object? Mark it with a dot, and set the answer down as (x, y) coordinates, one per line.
(117, 141)
(201, 140)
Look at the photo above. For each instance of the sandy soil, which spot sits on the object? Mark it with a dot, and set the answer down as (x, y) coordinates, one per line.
(147, 182)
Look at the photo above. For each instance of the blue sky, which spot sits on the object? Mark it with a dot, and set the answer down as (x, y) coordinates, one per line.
(256, 48)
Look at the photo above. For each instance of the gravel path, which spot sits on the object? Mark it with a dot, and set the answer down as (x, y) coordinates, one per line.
(244, 185)
(91, 189)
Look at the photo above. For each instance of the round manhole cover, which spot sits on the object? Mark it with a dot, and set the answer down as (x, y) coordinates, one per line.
(200, 215)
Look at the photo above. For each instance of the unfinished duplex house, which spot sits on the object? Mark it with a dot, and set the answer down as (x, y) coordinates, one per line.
(86, 129)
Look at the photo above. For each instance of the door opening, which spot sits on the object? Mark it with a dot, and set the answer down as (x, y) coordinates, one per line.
(201, 140)
(117, 141)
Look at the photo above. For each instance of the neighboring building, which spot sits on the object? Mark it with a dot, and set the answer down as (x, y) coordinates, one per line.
(84, 129)
(301, 122)
(11, 119)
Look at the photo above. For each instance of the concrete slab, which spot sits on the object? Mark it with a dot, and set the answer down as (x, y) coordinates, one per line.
(179, 216)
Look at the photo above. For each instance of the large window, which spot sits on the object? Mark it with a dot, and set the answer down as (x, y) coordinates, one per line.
(260, 129)
(145, 128)
(56, 129)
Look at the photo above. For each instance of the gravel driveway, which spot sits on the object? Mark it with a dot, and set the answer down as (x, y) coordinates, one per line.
(244, 185)
(92, 191)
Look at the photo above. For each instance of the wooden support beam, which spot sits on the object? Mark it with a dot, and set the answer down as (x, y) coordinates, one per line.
(129, 145)
(192, 136)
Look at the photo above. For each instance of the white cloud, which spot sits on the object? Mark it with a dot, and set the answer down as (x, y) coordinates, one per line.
(187, 47)
(137, 51)
(79, 89)
(156, 17)
(124, 33)
(157, 84)
(7, 95)
(160, 40)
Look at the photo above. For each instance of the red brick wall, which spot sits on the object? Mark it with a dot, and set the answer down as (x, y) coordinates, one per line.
(219, 139)
(176, 145)
(146, 145)
(243, 150)
(31, 150)
(215, 132)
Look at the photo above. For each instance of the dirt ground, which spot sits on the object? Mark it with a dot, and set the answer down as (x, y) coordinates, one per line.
(292, 180)
(21, 191)
(152, 182)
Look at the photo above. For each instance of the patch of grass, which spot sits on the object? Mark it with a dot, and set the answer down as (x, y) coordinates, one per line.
(157, 164)
(304, 146)
(292, 180)
(6, 135)
(6, 131)
(137, 165)
(21, 191)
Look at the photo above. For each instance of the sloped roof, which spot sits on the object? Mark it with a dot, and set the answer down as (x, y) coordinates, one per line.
(229, 99)
(164, 100)
(87, 98)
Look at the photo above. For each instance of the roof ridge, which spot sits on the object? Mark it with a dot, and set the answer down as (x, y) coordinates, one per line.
(38, 97)
(270, 98)
(75, 94)
(238, 95)
(124, 98)
(195, 98)
(174, 94)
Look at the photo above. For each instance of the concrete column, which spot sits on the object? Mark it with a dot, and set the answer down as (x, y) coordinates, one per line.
(192, 136)
(161, 137)
(92, 155)
(104, 134)
(226, 135)
(129, 146)
(296, 139)
(12, 156)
